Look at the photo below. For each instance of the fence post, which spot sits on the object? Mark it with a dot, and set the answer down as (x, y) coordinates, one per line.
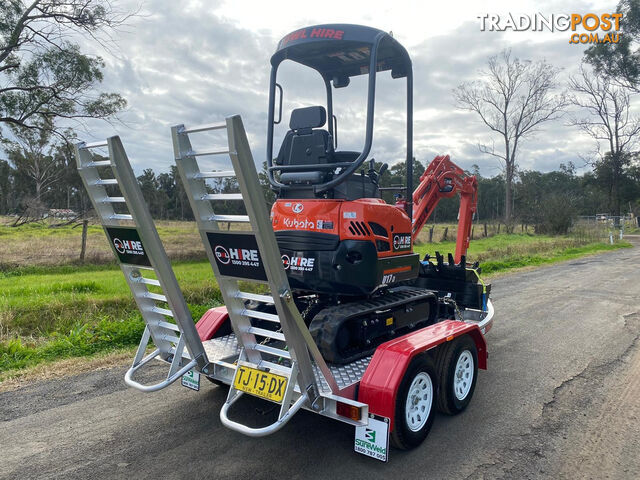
(444, 236)
(83, 246)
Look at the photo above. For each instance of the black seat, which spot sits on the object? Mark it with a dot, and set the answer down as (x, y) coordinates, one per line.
(306, 144)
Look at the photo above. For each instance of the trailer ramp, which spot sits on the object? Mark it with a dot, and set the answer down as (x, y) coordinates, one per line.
(133, 237)
(276, 349)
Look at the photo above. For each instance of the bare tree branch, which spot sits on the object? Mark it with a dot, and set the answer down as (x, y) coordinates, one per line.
(604, 113)
(513, 98)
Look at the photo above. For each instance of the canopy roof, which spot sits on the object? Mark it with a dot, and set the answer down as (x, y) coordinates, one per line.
(337, 50)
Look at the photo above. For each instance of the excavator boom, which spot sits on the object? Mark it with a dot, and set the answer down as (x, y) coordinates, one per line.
(444, 179)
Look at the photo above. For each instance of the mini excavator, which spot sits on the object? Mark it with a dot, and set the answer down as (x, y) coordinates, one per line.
(349, 254)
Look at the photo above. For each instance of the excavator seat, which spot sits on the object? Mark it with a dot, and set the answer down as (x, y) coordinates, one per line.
(306, 144)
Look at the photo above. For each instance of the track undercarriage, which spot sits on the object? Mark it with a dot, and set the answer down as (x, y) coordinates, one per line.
(348, 328)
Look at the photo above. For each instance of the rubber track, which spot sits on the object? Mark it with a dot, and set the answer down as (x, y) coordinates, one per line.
(326, 323)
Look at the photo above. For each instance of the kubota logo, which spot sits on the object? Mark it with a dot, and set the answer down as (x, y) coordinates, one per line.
(132, 247)
(222, 255)
(297, 208)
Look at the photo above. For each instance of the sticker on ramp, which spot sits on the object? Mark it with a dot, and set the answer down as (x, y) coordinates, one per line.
(373, 439)
(191, 380)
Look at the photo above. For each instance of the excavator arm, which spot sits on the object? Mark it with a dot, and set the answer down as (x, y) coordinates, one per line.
(444, 179)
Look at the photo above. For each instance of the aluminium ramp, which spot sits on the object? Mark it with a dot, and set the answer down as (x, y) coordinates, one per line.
(135, 243)
(250, 253)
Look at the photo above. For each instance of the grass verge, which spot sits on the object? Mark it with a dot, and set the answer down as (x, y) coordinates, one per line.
(506, 252)
(65, 312)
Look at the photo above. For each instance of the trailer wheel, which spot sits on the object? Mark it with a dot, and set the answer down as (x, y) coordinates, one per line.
(457, 366)
(415, 404)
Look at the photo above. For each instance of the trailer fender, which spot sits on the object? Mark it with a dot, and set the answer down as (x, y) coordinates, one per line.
(382, 378)
(211, 321)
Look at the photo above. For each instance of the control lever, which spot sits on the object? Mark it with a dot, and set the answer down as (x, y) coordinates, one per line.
(373, 175)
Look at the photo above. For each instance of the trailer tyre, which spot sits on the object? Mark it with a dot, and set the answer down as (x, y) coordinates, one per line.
(457, 366)
(415, 404)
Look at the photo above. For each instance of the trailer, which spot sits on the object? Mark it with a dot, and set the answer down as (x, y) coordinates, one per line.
(395, 391)
(381, 353)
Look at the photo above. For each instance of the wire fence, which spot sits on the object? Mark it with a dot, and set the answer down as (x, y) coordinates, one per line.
(608, 227)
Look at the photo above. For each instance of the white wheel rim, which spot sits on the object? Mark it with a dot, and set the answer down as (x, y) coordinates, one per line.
(419, 401)
(463, 376)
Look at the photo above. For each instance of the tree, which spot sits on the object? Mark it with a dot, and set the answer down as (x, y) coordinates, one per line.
(621, 60)
(44, 76)
(32, 154)
(513, 99)
(155, 197)
(6, 186)
(263, 178)
(606, 117)
(550, 200)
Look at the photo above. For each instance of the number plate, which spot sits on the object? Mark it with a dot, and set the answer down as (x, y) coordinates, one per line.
(261, 384)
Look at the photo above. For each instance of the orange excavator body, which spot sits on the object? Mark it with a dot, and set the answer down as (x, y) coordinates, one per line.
(356, 246)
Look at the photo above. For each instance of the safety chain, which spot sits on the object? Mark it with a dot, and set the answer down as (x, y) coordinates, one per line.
(452, 302)
(307, 310)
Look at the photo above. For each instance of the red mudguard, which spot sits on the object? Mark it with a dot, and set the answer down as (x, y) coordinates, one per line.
(382, 378)
(211, 321)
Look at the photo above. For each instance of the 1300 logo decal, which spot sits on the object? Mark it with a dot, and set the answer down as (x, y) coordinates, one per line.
(300, 264)
(237, 255)
(130, 247)
(401, 241)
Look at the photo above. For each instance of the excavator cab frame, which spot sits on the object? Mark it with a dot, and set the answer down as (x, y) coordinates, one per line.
(338, 52)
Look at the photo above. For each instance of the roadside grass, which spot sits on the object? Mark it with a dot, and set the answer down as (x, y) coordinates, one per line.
(504, 252)
(38, 301)
(39, 243)
(14, 379)
(49, 313)
(60, 312)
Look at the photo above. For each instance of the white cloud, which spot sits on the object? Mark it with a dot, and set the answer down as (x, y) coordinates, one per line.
(197, 61)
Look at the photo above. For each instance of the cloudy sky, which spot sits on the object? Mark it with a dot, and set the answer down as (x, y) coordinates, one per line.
(196, 62)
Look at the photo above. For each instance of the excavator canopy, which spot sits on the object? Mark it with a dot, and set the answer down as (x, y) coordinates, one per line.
(340, 51)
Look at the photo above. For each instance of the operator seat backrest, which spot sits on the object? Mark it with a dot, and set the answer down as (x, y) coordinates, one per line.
(306, 144)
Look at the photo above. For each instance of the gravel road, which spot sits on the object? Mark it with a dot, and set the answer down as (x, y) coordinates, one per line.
(561, 398)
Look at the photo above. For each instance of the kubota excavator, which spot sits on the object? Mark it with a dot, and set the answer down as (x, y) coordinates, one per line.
(348, 254)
